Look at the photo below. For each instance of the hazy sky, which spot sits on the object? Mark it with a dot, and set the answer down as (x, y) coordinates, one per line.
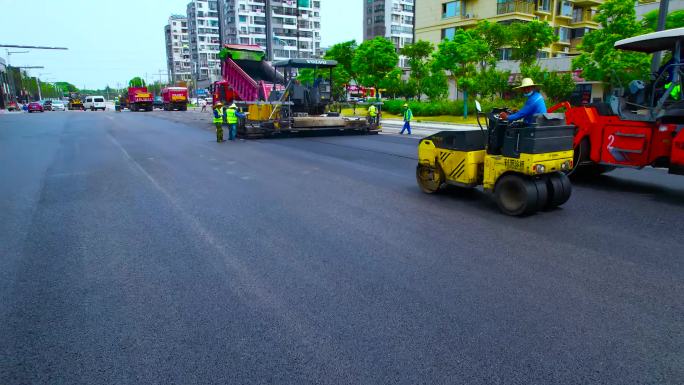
(112, 41)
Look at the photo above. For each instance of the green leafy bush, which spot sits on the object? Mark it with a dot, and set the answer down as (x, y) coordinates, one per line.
(436, 108)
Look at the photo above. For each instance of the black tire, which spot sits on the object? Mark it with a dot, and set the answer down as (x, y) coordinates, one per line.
(429, 179)
(560, 189)
(543, 194)
(516, 195)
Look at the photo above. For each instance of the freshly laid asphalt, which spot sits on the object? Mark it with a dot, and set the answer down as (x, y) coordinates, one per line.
(136, 250)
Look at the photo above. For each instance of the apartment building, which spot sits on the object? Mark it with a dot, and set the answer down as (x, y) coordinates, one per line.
(203, 35)
(439, 19)
(295, 26)
(177, 39)
(393, 19)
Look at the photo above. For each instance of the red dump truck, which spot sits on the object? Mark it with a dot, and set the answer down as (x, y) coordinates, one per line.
(175, 98)
(137, 99)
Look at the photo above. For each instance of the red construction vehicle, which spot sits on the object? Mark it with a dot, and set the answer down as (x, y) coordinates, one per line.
(640, 126)
(137, 99)
(246, 75)
(175, 98)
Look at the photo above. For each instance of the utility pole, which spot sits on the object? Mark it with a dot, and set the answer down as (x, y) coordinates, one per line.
(269, 31)
(297, 20)
(12, 85)
(662, 16)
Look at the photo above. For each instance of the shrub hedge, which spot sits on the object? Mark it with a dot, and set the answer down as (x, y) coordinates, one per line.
(436, 108)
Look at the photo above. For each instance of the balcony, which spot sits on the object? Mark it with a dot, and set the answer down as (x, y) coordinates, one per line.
(588, 3)
(584, 19)
(515, 7)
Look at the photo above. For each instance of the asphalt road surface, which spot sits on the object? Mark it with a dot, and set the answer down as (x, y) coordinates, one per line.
(136, 250)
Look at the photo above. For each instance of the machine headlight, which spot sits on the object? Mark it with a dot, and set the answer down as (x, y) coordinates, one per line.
(566, 165)
(539, 169)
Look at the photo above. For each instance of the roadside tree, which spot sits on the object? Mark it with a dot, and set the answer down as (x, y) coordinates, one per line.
(599, 60)
(374, 59)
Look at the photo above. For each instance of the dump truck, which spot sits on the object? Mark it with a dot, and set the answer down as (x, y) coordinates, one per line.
(276, 101)
(175, 98)
(137, 99)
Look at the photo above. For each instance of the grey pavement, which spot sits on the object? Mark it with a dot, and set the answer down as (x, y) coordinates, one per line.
(136, 250)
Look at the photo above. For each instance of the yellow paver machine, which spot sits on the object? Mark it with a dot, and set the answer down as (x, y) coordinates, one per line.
(522, 165)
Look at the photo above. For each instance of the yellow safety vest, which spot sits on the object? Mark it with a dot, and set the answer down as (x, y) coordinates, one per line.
(372, 111)
(231, 117)
(675, 91)
(408, 115)
(220, 115)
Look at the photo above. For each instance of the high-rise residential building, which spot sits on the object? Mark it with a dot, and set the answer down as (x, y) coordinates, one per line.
(177, 49)
(393, 19)
(203, 34)
(295, 26)
(439, 19)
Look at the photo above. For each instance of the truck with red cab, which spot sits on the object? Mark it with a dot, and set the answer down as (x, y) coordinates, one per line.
(175, 98)
(137, 99)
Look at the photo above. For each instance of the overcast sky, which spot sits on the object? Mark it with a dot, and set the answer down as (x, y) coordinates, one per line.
(112, 41)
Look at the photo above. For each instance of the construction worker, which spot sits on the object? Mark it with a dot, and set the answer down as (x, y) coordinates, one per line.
(533, 105)
(372, 114)
(232, 115)
(408, 115)
(219, 115)
(675, 92)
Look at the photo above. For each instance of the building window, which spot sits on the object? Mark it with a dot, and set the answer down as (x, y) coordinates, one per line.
(565, 9)
(506, 54)
(451, 9)
(448, 33)
(544, 5)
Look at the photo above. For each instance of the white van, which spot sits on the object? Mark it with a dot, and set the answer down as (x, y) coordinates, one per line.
(93, 103)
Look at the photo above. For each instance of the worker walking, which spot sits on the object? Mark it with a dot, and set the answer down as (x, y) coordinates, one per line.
(408, 115)
(219, 114)
(232, 115)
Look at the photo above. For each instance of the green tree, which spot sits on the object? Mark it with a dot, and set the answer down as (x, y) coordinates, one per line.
(674, 19)
(528, 38)
(496, 36)
(558, 86)
(599, 60)
(492, 82)
(374, 59)
(344, 53)
(136, 82)
(418, 55)
(435, 86)
(66, 87)
(459, 57)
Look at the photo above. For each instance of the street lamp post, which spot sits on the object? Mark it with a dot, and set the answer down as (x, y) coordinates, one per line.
(40, 95)
(9, 66)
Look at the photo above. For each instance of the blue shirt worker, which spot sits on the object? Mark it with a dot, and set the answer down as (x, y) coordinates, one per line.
(534, 105)
(232, 116)
(408, 115)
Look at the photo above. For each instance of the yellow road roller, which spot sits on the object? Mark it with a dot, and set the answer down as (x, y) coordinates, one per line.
(523, 165)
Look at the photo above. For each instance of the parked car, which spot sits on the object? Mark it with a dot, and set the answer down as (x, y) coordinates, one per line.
(158, 102)
(58, 105)
(34, 107)
(93, 103)
(47, 105)
(13, 106)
